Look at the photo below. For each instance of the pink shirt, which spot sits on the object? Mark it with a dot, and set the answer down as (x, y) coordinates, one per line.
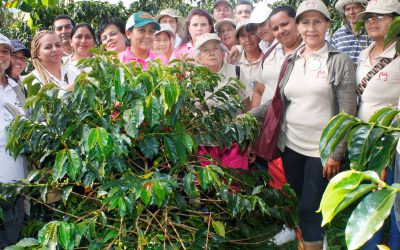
(163, 58)
(182, 50)
(127, 57)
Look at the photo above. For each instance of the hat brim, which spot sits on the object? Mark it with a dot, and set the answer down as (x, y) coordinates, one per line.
(145, 22)
(8, 45)
(212, 39)
(26, 52)
(219, 24)
(170, 33)
(360, 17)
(340, 5)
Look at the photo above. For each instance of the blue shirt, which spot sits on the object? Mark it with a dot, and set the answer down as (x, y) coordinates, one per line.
(344, 40)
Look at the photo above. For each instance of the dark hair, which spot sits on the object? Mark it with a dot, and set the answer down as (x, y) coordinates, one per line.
(287, 9)
(199, 12)
(84, 25)
(107, 22)
(242, 2)
(63, 16)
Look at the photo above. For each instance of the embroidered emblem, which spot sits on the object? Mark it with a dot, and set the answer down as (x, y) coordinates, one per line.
(321, 74)
(383, 76)
(310, 4)
(373, 2)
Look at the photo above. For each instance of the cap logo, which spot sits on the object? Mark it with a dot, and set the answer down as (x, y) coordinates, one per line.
(373, 2)
(310, 4)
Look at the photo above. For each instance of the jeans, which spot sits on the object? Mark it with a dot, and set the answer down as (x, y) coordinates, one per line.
(394, 236)
(304, 174)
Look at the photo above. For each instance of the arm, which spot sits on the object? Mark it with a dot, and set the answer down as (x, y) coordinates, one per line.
(257, 95)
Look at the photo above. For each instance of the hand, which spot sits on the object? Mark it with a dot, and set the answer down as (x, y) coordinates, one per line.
(251, 156)
(331, 168)
(233, 55)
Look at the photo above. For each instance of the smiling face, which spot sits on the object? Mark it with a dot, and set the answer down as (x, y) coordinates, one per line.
(284, 29)
(113, 39)
(264, 31)
(50, 51)
(142, 38)
(211, 55)
(5, 58)
(63, 28)
(162, 43)
(227, 34)
(222, 11)
(313, 26)
(198, 25)
(249, 41)
(18, 62)
(351, 11)
(82, 41)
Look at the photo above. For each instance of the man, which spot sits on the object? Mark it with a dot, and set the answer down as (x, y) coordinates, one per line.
(62, 26)
(347, 39)
(226, 29)
(243, 10)
(222, 9)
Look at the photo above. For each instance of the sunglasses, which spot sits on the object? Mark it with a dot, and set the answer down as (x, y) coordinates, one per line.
(376, 17)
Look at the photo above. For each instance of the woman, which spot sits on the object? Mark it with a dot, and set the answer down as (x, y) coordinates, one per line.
(18, 60)
(140, 30)
(82, 39)
(327, 87)
(378, 77)
(197, 23)
(249, 61)
(11, 100)
(112, 35)
(47, 53)
(164, 43)
(284, 29)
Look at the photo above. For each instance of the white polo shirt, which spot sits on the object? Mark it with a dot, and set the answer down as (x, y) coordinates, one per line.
(249, 72)
(309, 108)
(384, 87)
(10, 169)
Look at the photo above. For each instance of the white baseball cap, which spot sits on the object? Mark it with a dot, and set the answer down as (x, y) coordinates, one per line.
(316, 5)
(4, 40)
(380, 7)
(205, 38)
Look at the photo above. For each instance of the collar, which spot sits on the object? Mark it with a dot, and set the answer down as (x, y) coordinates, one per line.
(11, 82)
(242, 59)
(131, 57)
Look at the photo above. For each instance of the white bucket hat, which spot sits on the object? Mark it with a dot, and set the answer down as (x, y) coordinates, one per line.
(316, 5)
(205, 38)
(341, 3)
(380, 7)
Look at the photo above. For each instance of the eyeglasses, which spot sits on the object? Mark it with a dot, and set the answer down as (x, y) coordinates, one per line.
(376, 17)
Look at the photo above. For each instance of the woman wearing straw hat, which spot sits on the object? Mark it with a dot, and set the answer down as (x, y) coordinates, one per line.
(318, 83)
(378, 77)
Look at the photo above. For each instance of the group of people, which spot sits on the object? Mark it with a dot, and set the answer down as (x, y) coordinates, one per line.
(281, 55)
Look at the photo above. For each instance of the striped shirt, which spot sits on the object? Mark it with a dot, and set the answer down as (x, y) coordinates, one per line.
(344, 40)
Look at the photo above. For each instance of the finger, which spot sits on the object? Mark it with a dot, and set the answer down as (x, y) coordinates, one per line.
(324, 172)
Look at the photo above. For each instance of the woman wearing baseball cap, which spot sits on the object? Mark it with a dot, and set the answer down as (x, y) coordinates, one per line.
(18, 59)
(164, 43)
(378, 78)
(140, 29)
(11, 105)
(318, 83)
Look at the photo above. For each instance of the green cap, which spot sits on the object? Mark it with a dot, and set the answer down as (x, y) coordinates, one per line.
(140, 19)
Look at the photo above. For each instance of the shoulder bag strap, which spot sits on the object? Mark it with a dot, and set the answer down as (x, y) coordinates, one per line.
(378, 67)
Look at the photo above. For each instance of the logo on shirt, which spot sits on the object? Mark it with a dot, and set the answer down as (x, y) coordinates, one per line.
(383, 76)
(321, 74)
